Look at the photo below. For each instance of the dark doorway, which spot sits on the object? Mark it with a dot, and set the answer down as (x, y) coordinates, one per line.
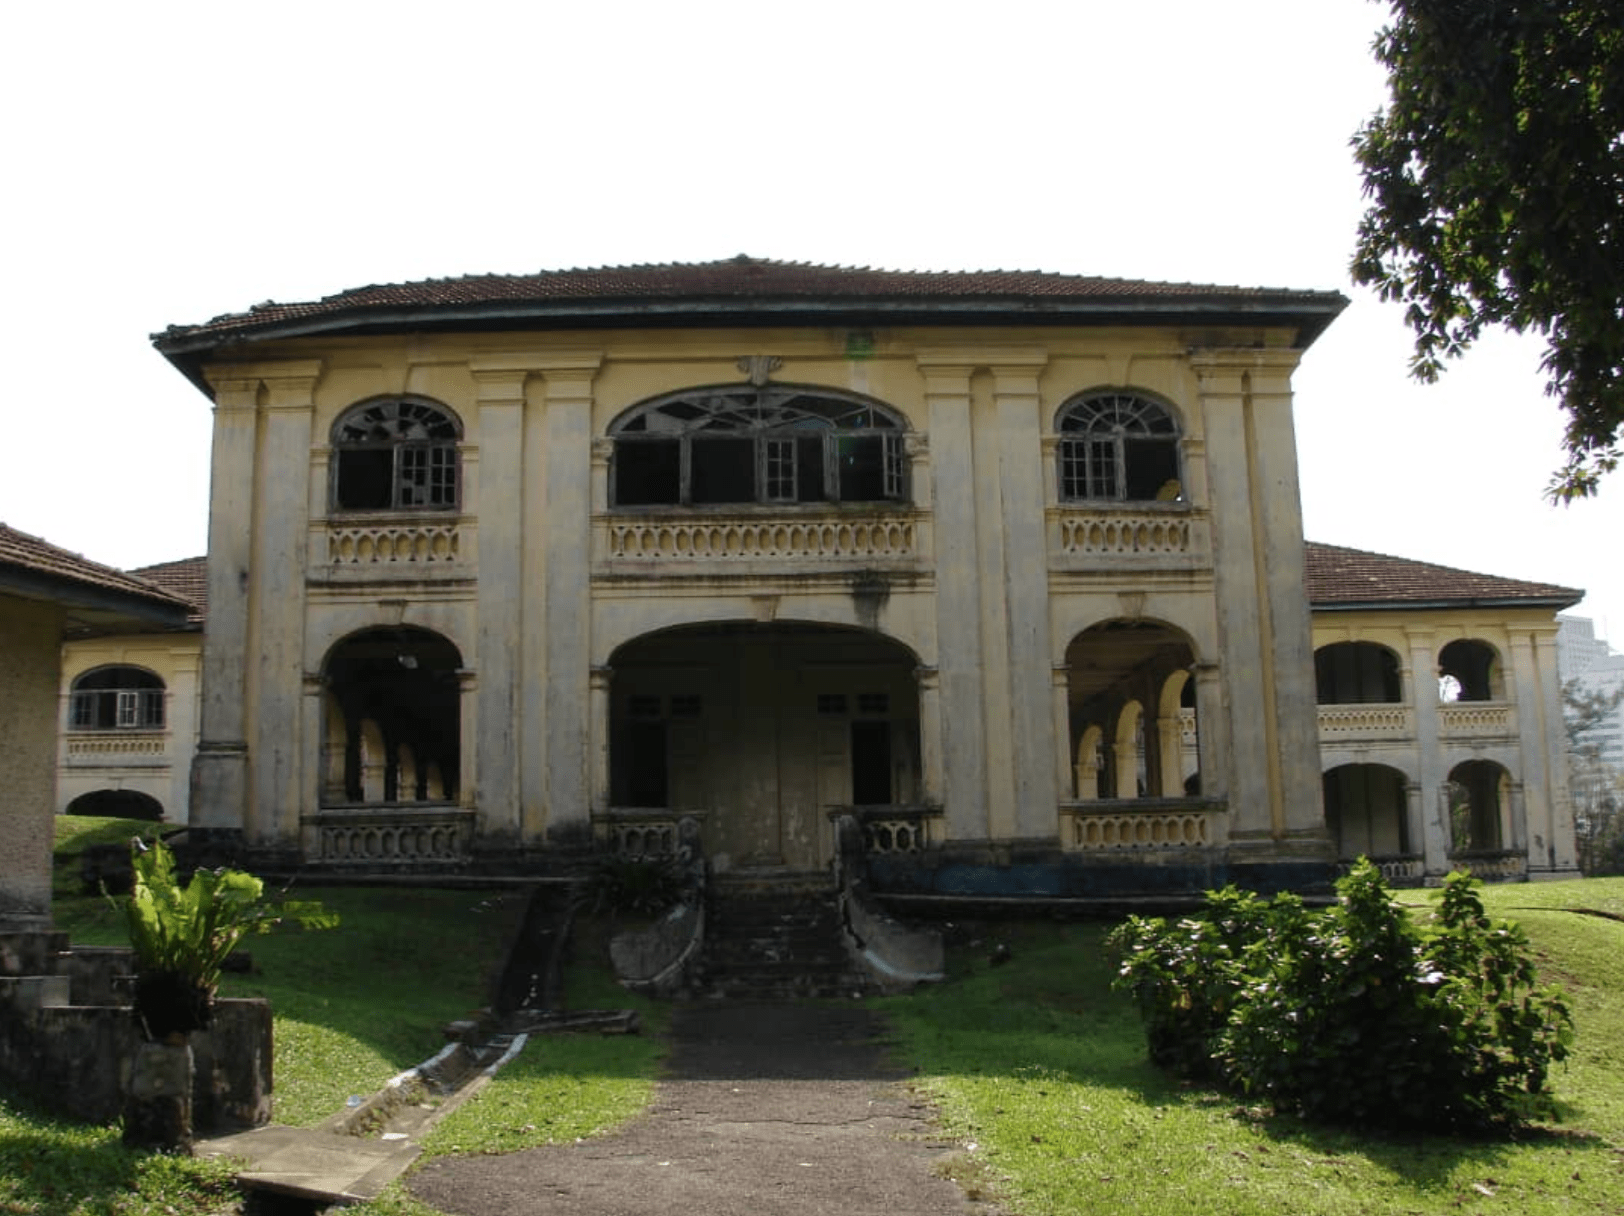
(870, 763)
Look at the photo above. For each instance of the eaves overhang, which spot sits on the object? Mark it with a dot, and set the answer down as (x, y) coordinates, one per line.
(1552, 603)
(1304, 313)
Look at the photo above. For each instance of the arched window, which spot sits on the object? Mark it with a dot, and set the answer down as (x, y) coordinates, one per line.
(742, 444)
(1357, 673)
(1118, 445)
(395, 454)
(116, 698)
(1469, 670)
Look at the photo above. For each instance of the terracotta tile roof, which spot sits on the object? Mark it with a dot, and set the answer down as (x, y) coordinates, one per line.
(44, 566)
(757, 288)
(187, 578)
(1352, 578)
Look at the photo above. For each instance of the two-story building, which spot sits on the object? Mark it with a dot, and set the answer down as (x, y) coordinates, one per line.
(1009, 563)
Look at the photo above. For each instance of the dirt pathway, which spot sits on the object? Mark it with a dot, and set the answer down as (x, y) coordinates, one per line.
(783, 1109)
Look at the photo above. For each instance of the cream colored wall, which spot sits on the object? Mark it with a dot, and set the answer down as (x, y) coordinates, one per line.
(1530, 746)
(984, 600)
(85, 764)
(30, 641)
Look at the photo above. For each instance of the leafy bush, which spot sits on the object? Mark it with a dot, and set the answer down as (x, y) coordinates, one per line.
(1355, 1014)
(643, 885)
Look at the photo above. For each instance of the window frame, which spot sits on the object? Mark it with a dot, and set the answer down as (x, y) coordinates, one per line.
(424, 452)
(138, 702)
(1103, 434)
(796, 435)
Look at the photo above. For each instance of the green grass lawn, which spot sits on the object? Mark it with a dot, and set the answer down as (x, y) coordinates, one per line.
(1043, 1069)
(1037, 1064)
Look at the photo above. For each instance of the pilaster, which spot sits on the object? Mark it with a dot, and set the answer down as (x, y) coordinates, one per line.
(1263, 614)
(1018, 419)
(1433, 839)
(497, 760)
(958, 600)
(567, 561)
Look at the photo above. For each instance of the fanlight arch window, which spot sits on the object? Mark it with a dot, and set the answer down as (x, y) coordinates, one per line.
(116, 698)
(1118, 445)
(396, 454)
(742, 444)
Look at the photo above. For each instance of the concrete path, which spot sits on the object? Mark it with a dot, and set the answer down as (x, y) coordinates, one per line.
(783, 1109)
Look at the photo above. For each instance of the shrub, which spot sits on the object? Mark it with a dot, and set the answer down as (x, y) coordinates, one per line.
(635, 886)
(1355, 1014)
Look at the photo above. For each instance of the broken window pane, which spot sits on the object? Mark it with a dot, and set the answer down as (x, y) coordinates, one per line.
(395, 454)
(648, 474)
(722, 470)
(766, 445)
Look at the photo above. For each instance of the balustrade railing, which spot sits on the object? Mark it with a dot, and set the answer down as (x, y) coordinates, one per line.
(744, 538)
(639, 833)
(1099, 533)
(894, 830)
(1375, 721)
(102, 747)
(379, 543)
(1402, 870)
(392, 836)
(1140, 825)
(1472, 718)
(1492, 865)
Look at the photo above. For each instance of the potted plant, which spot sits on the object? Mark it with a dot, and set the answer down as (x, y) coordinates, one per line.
(180, 935)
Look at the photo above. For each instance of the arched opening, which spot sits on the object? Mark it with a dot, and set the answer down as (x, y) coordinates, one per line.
(741, 443)
(1356, 673)
(1366, 811)
(396, 454)
(763, 730)
(1117, 445)
(1469, 670)
(1478, 794)
(117, 804)
(393, 718)
(1129, 687)
(116, 698)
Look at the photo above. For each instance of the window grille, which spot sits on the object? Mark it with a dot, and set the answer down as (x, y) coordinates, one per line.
(741, 444)
(1121, 446)
(395, 454)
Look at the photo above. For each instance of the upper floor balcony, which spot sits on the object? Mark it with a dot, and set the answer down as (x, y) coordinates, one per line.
(743, 539)
(117, 749)
(392, 547)
(1128, 536)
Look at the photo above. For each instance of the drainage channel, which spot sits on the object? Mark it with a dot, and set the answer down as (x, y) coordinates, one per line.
(352, 1155)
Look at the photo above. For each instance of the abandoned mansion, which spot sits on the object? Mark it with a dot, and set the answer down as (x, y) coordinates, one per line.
(1007, 566)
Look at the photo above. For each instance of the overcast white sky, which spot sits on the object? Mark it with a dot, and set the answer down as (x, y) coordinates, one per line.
(170, 161)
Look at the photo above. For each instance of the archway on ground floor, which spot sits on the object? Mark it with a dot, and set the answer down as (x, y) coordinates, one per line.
(764, 729)
(1478, 795)
(1130, 694)
(1367, 811)
(117, 804)
(393, 718)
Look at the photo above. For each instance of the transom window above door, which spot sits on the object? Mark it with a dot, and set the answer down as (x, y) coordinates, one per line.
(742, 444)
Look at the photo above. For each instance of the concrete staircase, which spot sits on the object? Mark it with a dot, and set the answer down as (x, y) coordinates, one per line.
(775, 938)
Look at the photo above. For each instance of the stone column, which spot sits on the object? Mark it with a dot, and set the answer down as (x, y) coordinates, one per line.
(602, 685)
(567, 593)
(30, 674)
(1432, 840)
(1544, 823)
(218, 796)
(499, 753)
(930, 735)
(1211, 731)
(958, 601)
(277, 578)
(1025, 577)
(1263, 617)
(1060, 710)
